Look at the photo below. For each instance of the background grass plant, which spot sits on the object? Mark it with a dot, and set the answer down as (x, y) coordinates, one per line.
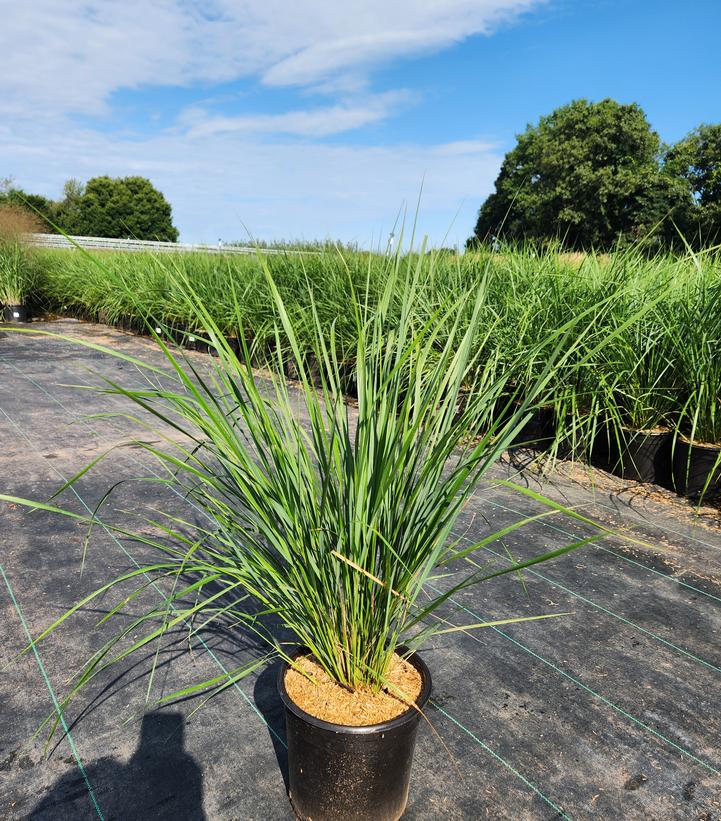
(18, 264)
(644, 380)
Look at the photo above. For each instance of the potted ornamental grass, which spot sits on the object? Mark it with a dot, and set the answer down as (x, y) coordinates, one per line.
(638, 396)
(695, 331)
(17, 269)
(324, 520)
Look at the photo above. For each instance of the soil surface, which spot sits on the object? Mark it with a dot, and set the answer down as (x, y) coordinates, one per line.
(611, 712)
(314, 691)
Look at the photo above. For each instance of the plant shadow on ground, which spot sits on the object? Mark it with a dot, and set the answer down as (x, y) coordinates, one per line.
(160, 781)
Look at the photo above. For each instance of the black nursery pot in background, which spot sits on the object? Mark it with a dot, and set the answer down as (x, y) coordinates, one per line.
(343, 773)
(697, 470)
(538, 432)
(195, 343)
(15, 313)
(641, 456)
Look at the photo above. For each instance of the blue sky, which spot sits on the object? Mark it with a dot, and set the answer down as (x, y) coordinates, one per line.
(318, 119)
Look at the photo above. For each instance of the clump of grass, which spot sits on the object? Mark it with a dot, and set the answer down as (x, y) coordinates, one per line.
(18, 272)
(633, 384)
(694, 333)
(530, 293)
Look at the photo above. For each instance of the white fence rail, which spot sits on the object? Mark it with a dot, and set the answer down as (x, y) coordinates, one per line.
(105, 244)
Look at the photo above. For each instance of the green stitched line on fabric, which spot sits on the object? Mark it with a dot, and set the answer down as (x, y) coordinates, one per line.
(605, 610)
(657, 572)
(604, 549)
(638, 519)
(41, 667)
(152, 583)
(502, 761)
(585, 687)
(664, 528)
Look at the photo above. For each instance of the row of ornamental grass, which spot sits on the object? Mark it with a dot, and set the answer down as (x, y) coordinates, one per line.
(650, 356)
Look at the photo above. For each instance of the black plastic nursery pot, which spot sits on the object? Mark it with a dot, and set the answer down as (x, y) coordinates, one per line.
(194, 343)
(234, 345)
(697, 469)
(641, 456)
(538, 432)
(131, 324)
(342, 773)
(15, 313)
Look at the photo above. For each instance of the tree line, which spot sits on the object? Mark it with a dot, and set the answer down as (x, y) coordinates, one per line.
(102, 207)
(596, 175)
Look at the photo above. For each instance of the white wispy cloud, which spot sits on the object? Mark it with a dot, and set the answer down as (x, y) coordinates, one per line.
(322, 121)
(70, 57)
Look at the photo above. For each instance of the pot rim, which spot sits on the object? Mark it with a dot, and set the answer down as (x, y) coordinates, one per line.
(692, 443)
(648, 432)
(366, 729)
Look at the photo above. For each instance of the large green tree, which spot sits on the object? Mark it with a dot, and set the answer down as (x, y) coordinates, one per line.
(697, 160)
(124, 207)
(589, 174)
